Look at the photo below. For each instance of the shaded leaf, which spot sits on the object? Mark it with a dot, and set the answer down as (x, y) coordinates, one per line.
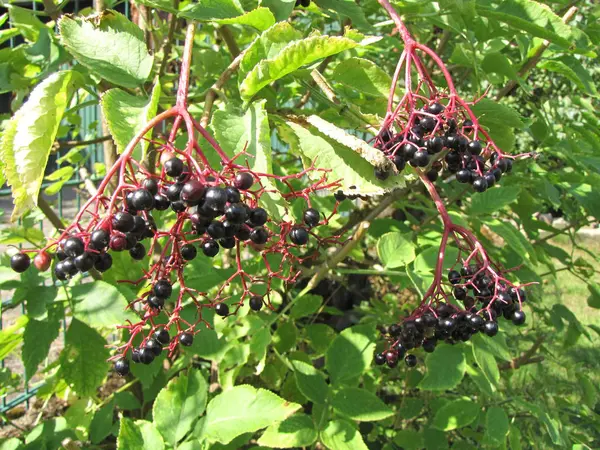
(350, 353)
(456, 414)
(296, 431)
(364, 76)
(100, 304)
(394, 250)
(445, 368)
(310, 381)
(342, 435)
(138, 435)
(360, 404)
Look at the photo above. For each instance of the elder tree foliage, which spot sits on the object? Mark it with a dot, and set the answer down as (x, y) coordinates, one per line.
(300, 194)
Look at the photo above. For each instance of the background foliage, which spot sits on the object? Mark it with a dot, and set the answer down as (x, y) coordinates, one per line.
(304, 377)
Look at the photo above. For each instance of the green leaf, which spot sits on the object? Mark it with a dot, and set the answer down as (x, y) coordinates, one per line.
(306, 306)
(228, 12)
(342, 435)
(11, 444)
(514, 438)
(179, 404)
(359, 404)
(49, 435)
(236, 130)
(320, 337)
(355, 174)
(37, 338)
(409, 439)
(364, 76)
(102, 423)
(394, 250)
(311, 382)
(572, 69)
(291, 58)
(346, 8)
(496, 62)
(281, 9)
(494, 345)
(12, 336)
(26, 22)
(138, 435)
(514, 238)
(350, 353)
(593, 300)
(285, 336)
(532, 17)
(496, 426)
(445, 368)
(493, 200)
(244, 409)
(456, 414)
(296, 431)
(81, 371)
(111, 46)
(100, 304)
(28, 137)
(485, 360)
(126, 115)
(492, 114)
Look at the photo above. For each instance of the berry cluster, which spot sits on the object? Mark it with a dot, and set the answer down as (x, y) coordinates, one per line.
(432, 140)
(447, 322)
(205, 210)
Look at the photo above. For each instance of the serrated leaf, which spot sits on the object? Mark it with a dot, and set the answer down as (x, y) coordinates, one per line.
(126, 115)
(311, 382)
(350, 353)
(456, 414)
(346, 8)
(28, 137)
(163, 5)
(281, 9)
(228, 12)
(355, 173)
(342, 435)
(574, 71)
(494, 199)
(514, 238)
(296, 431)
(486, 361)
(409, 439)
(394, 250)
(110, 45)
(364, 76)
(138, 435)
(102, 423)
(306, 306)
(534, 18)
(100, 304)
(496, 426)
(12, 336)
(37, 338)
(360, 404)
(291, 58)
(493, 114)
(235, 131)
(445, 368)
(26, 22)
(179, 404)
(83, 373)
(254, 409)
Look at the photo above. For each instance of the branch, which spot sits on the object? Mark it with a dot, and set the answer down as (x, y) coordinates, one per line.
(227, 36)
(535, 59)
(526, 358)
(51, 9)
(168, 42)
(61, 145)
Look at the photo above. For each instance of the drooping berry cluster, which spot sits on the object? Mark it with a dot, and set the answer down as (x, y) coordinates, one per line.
(448, 322)
(215, 210)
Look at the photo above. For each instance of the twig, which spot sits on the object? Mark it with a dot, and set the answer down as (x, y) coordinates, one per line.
(51, 9)
(61, 145)
(168, 42)
(526, 358)
(87, 181)
(535, 59)
(227, 36)
(49, 213)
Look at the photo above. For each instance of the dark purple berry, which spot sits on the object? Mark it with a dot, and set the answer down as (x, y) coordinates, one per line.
(259, 235)
(243, 181)
(20, 262)
(188, 252)
(103, 262)
(174, 167)
(186, 339)
(256, 303)
(221, 309)
(162, 336)
(122, 367)
(192, 192)
(299, 236)
(210, 248)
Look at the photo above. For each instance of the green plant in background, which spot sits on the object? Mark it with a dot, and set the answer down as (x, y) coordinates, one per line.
(299, 94)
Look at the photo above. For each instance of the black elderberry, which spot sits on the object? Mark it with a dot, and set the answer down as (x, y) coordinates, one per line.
(20, 262)
(216, 230)
(453, 168)
(444, 310)
(142, 200)
(186, 339)
(60, 272)
(178, 206)
(258, 217)
(505, 298)
(163, 288)
(432, 175)
(435, 108)
(130, 241)
(73, 246)
(311, 217)
(502, 164)
(103, 262)
(429, 320)
(518, 317)
(453, 158)
(135, 356)
(259, 235)
(60, 255)
(420, 159)
(399, 162)
(216, 198)
(155, 301)
(339, 196)
(469, 302)
(243, 234)
(381, 174)
(429, 345)
(452, 142)
(122, 221)
(490, 179)
(154, 346)
(480, 184)
(391, 358)
(395, 330)
(410, 360)
(173, 192)
(459, 293)
(233, 194)
(299, 236)
(236, 213)
(221, 309)
(188, 252)
(122, 367)
(99, 239)
(401, 349)
(146, 355)
(84, 262)
(463, 176)
(227, 242)
(230, 228)
(162, 336)
(497, 174)
(380, 359)
(463, 142)
(454, 277)
(468, 123)
(518, 293)
(256, 303)
(427, 123)
(192, 192)
(407, 151)
(161, 202)
(243, 181)
(434, 145)
(210, 248)
(150, 185)
(446, 324)
(139, 225)
(174, 167)
(490, 328)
